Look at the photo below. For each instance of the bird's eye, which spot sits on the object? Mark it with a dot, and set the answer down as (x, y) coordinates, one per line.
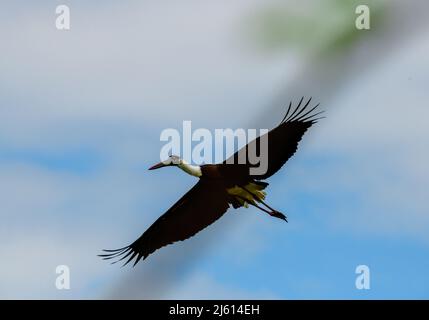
(174, 159)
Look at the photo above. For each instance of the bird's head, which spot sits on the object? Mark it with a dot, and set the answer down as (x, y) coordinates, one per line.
(171, 161)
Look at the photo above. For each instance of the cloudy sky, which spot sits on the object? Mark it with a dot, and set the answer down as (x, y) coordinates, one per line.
(81, 112)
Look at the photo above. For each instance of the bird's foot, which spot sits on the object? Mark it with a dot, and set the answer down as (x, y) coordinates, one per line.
(279, 215)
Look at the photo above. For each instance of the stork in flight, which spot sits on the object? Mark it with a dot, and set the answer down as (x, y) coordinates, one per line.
(220, 186)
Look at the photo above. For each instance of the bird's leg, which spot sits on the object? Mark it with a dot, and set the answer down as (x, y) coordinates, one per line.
(273, 213)
(258, 198)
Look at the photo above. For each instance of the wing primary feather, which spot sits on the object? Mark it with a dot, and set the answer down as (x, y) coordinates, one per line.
(138, 259)
(317, 119)
(131, 258)
(115, 250)
(306, 105)
(296, 109)
(307, 113)
(126, 255)
(108, 257)
(113, 255)
(287, 112)
(311, 116)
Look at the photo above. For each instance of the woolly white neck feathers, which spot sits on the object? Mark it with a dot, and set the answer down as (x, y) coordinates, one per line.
(190, 169)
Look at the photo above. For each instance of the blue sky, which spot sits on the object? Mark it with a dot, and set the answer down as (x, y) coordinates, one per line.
(80, 117)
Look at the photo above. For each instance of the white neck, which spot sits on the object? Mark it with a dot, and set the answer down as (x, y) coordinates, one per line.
(190, 169)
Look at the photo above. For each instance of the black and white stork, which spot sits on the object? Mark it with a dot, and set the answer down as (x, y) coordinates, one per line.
(219, 187)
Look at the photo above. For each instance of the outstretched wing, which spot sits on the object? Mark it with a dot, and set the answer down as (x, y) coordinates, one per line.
(198, 208)
(282, 141)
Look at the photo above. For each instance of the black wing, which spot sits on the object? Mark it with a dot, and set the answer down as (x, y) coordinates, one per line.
(198, 208)
(282, 140)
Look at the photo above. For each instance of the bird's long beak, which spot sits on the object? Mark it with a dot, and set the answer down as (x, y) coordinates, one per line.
(158, 165)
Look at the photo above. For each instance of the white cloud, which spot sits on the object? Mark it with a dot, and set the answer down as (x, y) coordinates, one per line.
(129, 66)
